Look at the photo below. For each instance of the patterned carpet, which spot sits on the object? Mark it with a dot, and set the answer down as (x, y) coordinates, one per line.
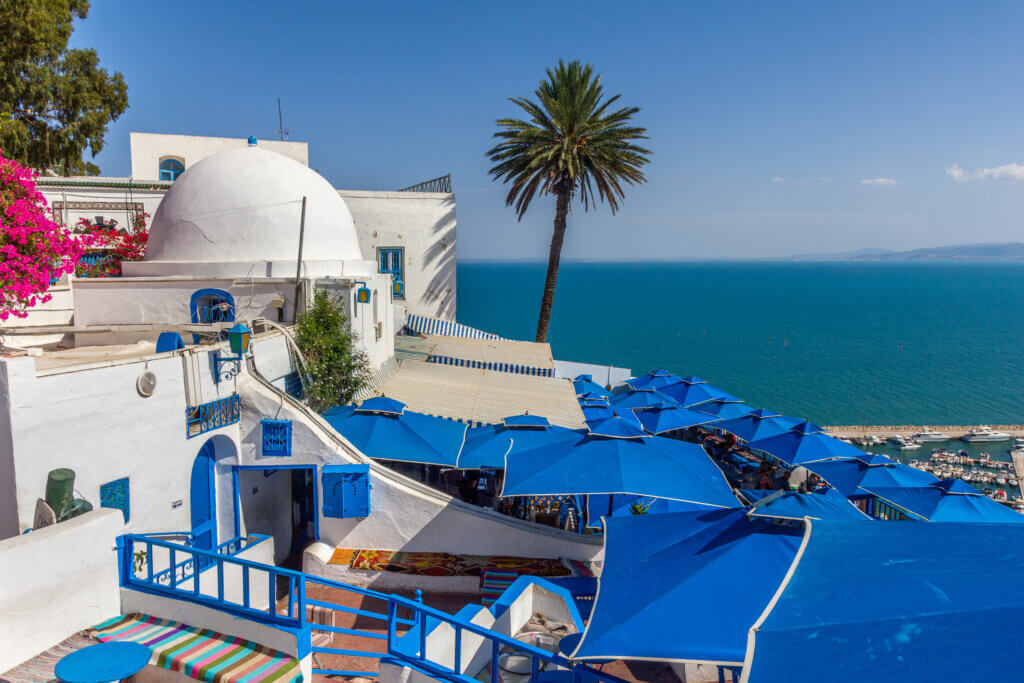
(444, 564)
(201, 653)
(40, 668)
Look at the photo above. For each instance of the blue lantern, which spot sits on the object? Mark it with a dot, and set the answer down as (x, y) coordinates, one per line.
(363, 295)
(252, 140)
(238, 339)
(398, 289)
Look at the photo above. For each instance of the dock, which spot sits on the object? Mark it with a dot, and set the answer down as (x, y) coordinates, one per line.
(886, 431)
(1018, 465)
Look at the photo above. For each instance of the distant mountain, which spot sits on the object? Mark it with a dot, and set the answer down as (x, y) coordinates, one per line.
(1002, 251)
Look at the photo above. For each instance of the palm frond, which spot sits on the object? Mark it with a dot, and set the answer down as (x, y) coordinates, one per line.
(570, 139)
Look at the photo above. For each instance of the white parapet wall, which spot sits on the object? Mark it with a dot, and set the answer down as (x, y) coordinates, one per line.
(57, 581)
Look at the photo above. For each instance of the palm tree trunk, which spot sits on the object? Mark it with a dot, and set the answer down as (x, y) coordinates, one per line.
(554, 256)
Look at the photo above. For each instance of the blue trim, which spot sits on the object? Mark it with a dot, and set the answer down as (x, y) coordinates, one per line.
(277, 438)
(206, 417)
(170, 169)
(391, 261)
(205, 306)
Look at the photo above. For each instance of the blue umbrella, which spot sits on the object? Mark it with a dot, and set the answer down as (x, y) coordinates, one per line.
(616, 457)
(892, 601)
(584, 384)
(666, 417)
(829, 504)
(725, 410)
(487, 445)
(655, 379)
(689, 395)
(939, 503)
(640, 399)
(382, 428)
(759, 424)
(847, 474)
(594, 414)
(804, 443)
(719, 564)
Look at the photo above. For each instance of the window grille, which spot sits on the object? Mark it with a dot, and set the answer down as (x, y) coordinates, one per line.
(277, 437)
(114, 494)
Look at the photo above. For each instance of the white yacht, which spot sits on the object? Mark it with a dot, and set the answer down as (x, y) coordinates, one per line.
(985, 434)
(903, 443)
(928, 436)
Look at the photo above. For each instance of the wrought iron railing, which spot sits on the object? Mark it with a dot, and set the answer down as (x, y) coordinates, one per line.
(213, 415)
(442, 184)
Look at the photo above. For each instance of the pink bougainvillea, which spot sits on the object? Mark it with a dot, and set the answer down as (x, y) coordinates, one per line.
(33, 249)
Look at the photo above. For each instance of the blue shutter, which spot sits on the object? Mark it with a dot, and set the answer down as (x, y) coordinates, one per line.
(346, 490)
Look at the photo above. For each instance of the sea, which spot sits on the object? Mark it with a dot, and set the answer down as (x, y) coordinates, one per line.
(866, 343)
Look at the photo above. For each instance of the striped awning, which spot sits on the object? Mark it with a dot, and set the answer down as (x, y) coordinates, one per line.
(502, 355)
(422, 324)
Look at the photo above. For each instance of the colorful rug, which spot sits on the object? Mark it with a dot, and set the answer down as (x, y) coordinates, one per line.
(495, 581)
(201, 654)
(40, 668)
(445, 564)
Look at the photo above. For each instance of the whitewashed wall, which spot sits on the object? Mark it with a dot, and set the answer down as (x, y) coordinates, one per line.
(95, 422)
(147, 149)
(56, 581)
(424, 224)
(404, 514)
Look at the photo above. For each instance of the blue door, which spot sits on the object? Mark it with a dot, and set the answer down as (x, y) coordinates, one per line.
(202, 500)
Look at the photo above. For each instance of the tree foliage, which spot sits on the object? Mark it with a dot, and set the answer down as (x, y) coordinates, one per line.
(337, 366)
(55, 102)
(571, 145)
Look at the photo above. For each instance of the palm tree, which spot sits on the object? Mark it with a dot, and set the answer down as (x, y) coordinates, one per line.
(570, 145)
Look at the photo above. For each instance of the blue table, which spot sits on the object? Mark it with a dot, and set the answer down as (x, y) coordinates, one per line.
(103, 663)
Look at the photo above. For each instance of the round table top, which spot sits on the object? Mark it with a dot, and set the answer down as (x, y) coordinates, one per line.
(103, 663)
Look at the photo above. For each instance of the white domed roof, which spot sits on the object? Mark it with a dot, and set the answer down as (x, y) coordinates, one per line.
(243, 206)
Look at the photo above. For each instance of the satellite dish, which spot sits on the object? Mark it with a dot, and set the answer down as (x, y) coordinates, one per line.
(146, 384)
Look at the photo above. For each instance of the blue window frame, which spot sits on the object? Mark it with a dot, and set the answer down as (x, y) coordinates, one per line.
(391, 261)
(277, 438)
(346, 490)
(114, 494)
(170, 169)
(212, 306)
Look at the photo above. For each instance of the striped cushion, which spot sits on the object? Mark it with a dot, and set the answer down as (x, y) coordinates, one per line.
(495, 581)
(201, 654)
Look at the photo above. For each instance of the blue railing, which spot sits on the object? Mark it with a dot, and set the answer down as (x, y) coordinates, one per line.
(213, 415)
(168, 569)
(417, 654)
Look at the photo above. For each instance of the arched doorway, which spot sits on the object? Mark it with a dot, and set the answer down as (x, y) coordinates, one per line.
(203, 499)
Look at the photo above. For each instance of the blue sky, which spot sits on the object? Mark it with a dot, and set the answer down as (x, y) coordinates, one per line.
(776, 128)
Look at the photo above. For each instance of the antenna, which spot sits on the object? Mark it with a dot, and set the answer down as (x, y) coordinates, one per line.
(280, 122)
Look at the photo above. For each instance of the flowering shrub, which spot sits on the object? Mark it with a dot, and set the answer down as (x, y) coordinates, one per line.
(118, 246)
(33, 249)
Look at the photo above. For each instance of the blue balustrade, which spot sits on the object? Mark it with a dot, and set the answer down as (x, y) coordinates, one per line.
(408, 621)
(213, 415)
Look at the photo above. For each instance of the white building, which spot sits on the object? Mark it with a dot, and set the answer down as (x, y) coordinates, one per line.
(408, 235)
